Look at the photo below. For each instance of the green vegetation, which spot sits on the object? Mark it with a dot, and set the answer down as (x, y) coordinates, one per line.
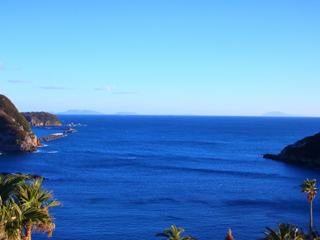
(41, 118)
(286, 232)
(14, 128)
(174, 234)
(8, 109)
(15, 132)
(291, 232)
(309, 187)
(24, 207)
(304, 152)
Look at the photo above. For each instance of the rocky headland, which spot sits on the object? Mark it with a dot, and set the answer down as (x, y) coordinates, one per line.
(304, 152)
(41, 119)
(15, 132)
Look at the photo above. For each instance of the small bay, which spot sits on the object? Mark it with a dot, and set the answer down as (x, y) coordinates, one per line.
(134, 176)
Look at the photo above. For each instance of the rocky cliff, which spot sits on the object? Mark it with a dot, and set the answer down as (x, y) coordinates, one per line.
(304, 152)
(41, 119)
(15, 132)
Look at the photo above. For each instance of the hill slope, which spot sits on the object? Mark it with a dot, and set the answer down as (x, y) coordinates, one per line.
(41, 119)
(15, 132)
(304, 152)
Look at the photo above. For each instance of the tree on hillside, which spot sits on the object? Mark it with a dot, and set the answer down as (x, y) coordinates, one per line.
(308, 187)
(174, 234)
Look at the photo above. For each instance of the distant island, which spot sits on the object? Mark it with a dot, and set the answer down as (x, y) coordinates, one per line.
(304, 152)
(276, 114)
(41, 119)
(126, 113)
(80, 112)
(15, 131)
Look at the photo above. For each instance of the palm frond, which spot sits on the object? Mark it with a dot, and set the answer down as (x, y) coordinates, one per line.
(188, 237)
(10, 220)
(8, 184)
(162, 235)
(174, 234)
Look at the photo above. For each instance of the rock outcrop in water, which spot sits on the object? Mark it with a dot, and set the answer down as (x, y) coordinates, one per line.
(41, 119)
(15, 132)
(304, 152)
(52, 137)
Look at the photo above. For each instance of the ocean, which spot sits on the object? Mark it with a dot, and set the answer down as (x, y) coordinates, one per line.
(130, 177)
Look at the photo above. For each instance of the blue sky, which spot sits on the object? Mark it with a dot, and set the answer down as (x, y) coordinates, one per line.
(185, 57)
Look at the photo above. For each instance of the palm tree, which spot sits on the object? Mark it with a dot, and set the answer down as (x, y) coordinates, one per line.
(10, 221)
(286, 232)
(174, 234)
(10, 212)
(35, 202)
(308, 187)
(8, 184)
(24, 204)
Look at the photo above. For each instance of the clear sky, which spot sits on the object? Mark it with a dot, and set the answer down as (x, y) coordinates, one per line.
(180, 57)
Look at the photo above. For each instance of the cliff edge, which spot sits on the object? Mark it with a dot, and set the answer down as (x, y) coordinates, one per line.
(15, 132)
(41, 119)
(304, 152)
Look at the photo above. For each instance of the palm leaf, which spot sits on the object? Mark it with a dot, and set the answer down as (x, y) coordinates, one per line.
(175, 234)
(8, 183)
(188, 237)
(35, 202)
(10, 221)
(162, 235)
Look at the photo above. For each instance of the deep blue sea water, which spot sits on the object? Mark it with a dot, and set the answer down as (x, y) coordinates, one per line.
(130, 177)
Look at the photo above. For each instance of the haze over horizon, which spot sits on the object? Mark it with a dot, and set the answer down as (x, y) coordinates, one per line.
(234, 58)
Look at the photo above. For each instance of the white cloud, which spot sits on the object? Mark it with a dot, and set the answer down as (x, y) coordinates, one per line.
(17, 81)
(124, 92)
(108, 88)
(4, 67)
(55, 87)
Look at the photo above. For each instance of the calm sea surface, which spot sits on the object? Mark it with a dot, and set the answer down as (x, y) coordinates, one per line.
(130, 177)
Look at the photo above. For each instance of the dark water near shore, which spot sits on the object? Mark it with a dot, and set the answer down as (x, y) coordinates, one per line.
(130, 177)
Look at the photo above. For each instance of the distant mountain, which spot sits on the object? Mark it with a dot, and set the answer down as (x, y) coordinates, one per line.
(80, 112)
(276, 114)
(126, 113)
